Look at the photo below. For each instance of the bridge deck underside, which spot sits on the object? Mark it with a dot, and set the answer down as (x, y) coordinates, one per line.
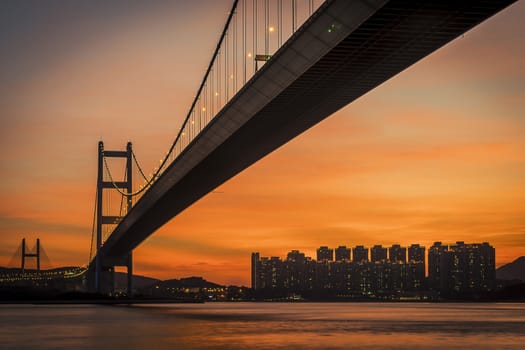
(392, 38)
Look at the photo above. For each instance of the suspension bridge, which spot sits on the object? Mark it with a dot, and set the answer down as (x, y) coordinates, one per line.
(279, 68)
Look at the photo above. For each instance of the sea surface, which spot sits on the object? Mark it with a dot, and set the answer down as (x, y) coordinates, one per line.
(264, 326)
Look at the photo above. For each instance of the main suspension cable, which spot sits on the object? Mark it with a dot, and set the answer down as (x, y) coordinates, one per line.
(139, 191)
(138, 165)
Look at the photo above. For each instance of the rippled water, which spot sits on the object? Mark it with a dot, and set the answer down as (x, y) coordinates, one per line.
(264, 326)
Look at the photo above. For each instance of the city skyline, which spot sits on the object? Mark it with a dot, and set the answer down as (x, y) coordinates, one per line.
(436, 152)
(394, 252)
(454, 269)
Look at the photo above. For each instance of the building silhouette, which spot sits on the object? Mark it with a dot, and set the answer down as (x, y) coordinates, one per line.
(378, 253)
(416, 253)
(255, 268)
(459, 268)
(299, 274)
(342, 253)
(462, 268)
(435, 256)
(325, 253)
(397, 253)
(359, 253)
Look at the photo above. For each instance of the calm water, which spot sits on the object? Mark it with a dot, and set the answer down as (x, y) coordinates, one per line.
(264, 326)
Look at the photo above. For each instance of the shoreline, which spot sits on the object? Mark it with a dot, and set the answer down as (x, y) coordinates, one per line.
(172, 301)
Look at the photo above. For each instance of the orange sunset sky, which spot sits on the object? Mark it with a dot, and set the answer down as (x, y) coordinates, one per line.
(435, 154)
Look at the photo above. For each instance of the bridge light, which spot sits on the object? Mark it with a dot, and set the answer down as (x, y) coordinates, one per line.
(216, 93)
(249, 54)
(263, 58)
(204, 109)
(271, 29)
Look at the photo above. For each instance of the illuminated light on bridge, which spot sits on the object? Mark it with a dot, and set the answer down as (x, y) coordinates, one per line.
(262, 58)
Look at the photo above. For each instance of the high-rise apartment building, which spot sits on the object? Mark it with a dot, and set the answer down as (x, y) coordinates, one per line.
(397, 253)
(416, 253)
(378, 253)
(461, 268)
(359, 254)
(325, 253)
(415, 269)
(342, 253)
(436, 275)
(470, 267)
(255, 263)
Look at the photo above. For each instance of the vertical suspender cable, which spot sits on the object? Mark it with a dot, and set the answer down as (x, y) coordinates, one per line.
(226, 69)
(254, 4)
(253, 32)
(266, 28)
(235, 68)
(244, 40)
(196, 121)
(294, 15)
(122, 197)
(212, 98)
(210, 101)
(280, 19)
(218, 85)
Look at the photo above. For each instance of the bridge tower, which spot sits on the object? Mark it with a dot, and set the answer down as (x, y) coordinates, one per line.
(104, 266)
(26, 254)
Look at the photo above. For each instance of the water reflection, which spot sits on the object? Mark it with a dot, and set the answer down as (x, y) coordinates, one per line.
(264, 326)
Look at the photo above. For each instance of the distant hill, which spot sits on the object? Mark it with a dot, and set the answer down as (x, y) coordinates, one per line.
(512, 271)
(190, 288)
(139, 282)
(189, 282)
(147, 283)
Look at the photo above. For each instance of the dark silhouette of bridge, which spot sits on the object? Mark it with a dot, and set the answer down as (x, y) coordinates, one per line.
(260, 91)
(24, 255)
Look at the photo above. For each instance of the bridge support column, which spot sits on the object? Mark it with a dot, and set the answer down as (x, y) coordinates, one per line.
(130, 275)
(107, 280)
(100, 180)
(103, 271)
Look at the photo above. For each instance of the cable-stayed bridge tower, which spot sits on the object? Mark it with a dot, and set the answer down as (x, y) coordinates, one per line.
(30, 259)
(26, 254)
